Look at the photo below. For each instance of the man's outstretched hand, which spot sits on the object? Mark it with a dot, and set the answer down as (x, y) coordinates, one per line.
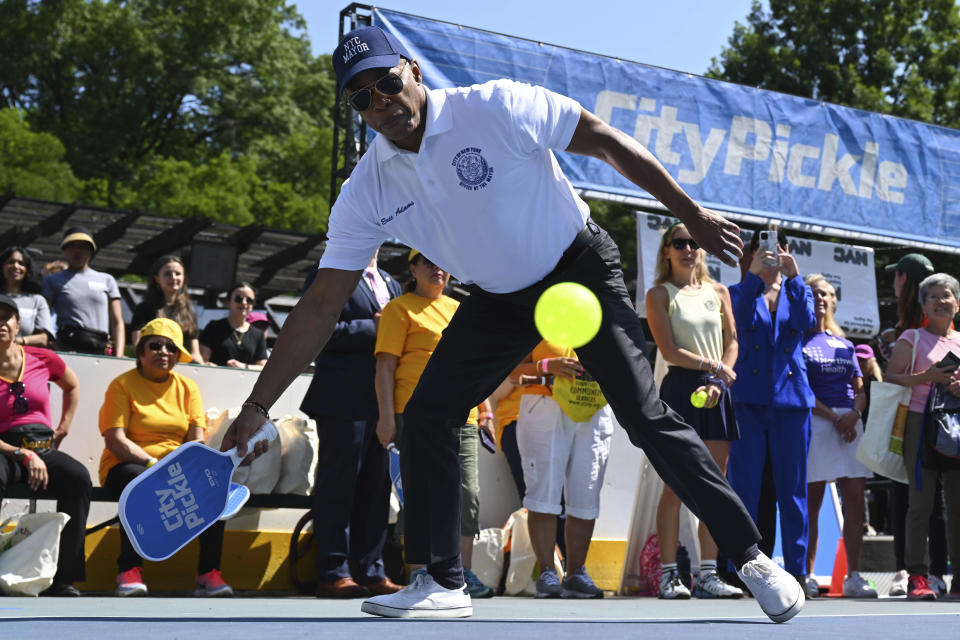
(716, 235)
(240, 430)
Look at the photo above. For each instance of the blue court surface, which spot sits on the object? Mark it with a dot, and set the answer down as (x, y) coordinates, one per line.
(108, 618)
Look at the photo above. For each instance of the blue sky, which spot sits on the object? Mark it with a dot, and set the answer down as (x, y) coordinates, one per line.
(678, 34)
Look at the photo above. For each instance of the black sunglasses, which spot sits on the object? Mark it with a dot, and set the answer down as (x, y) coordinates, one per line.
(162, 346)
(242, 299)
(389, 85)
(20, 404)
(682, 243)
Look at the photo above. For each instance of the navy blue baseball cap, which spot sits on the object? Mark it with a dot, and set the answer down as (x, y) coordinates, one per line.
(366, 48)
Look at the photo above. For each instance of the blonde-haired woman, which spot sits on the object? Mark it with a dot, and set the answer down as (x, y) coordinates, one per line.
(836, 428)
(692, 323)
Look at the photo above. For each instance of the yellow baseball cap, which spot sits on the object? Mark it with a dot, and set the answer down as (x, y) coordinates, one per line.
(167, 328)
(413, 254)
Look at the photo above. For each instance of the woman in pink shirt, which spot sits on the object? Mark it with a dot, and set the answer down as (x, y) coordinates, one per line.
(939, 296)
(29, 443)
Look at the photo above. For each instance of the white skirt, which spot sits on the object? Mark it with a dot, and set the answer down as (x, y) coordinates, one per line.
(830, 456)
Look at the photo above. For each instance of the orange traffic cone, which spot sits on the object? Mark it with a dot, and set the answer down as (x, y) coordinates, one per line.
(839, 571)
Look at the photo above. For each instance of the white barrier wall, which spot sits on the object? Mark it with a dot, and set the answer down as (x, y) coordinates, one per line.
(224, 388)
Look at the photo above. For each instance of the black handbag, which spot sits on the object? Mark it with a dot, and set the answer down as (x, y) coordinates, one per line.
(940, 444)
(33, 437)
(81, 339)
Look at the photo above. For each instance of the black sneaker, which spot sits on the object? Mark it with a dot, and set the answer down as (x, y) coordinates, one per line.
(61, 590)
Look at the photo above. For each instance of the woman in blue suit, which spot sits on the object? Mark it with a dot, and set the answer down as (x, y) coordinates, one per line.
(773, 307)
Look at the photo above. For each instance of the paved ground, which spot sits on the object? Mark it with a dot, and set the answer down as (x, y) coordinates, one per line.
(256, 617)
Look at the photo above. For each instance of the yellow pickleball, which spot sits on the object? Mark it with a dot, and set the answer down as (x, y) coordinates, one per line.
(698, 399)
(568, 315)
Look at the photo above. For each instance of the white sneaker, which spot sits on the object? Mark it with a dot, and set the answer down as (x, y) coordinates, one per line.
(672, 588)
(422, 598)
(713, 586)
(898, 587)
(777, 592)
(938, 586)
(856, 586)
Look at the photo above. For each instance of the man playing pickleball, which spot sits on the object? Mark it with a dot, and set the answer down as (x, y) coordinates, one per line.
(467, 176)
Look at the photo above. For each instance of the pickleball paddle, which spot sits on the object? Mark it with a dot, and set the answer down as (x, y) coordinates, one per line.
(394, 455)
(239, 494)
(178, 498)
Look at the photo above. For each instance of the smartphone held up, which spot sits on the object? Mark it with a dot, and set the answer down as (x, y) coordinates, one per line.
(768, 242)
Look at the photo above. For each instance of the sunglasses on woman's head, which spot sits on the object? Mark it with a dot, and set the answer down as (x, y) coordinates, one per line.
(162, 346)
(20, 404)
(389, 85)
(682, 243)
(243, 299)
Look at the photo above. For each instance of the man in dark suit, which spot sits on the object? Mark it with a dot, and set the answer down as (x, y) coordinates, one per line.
(352, 490)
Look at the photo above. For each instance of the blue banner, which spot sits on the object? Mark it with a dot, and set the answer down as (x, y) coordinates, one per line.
(732, 147)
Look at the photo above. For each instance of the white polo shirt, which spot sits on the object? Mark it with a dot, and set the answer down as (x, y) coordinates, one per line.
(484, 198)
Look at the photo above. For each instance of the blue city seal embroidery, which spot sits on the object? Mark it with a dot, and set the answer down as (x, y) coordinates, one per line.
(472, 169)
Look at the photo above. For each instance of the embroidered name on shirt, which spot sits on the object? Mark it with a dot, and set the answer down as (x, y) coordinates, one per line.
(352, 47)
(472, 169)
(396, 213)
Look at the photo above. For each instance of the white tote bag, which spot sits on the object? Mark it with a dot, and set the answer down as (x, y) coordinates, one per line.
(878, 450)
(28, 560)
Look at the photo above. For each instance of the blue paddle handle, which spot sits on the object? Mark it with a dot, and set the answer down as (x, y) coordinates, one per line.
(267, 433)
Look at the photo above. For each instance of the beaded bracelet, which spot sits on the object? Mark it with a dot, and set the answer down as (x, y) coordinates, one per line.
(262, 410)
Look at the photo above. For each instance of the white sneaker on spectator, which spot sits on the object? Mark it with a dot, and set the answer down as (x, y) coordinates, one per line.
(777, 592)
(422, 598)
(712, 585)
(898, 587)
(938, 586)
(672, 588)
(856, 586)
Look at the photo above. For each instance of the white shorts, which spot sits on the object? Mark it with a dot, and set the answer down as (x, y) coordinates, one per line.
(561, 457)
(830, 456)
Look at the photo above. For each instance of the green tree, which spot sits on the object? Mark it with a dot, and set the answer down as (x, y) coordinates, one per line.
(32, 164)
(122, 83)
(620, 221)
(890, 56)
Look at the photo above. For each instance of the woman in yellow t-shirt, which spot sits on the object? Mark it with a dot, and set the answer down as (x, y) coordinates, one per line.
(407, 333)
(147, 413)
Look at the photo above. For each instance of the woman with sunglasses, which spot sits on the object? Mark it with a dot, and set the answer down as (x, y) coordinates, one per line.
(20, 283)
(147, 413)
(167, 297)
(407, 334)
(29, 444)
(773, 399)
(232, 341)
(692, 323)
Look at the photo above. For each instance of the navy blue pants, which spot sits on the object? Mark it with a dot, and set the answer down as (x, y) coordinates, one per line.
(785, 433)
(351, 500)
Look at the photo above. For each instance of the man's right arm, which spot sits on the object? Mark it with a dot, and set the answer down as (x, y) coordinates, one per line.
(304, 334)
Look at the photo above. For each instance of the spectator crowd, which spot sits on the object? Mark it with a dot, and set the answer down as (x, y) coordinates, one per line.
(760, 369)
